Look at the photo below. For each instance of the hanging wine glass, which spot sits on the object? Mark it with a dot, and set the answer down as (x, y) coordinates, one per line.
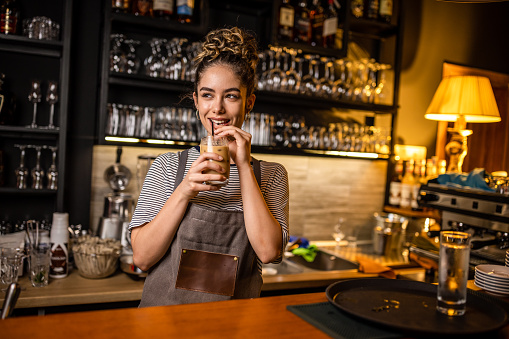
(21, 172)
(117, 54)
(37, 171)
(132, 62)
(326, 83)
(52, 170)
(154, 62)
(35, 97)
(52, 99)
(291, 82)
(382, 91)
(339, 85)
(276, 74)
(263, 70)
(308, 81)
(368, 92)
(358, 80)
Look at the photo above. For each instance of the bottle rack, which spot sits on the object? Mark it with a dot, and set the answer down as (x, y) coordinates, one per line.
(146, 91)
(25, 59)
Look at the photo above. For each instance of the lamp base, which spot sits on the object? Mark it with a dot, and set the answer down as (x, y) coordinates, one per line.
(456, 149)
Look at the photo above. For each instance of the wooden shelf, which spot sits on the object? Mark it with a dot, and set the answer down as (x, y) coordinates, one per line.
(427, 213)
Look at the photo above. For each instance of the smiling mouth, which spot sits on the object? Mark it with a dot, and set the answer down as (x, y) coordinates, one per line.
(222, 122)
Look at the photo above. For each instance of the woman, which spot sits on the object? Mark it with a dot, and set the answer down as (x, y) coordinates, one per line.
(203, 242)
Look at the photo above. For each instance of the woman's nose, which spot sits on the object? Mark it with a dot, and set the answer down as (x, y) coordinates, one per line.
(218, 106)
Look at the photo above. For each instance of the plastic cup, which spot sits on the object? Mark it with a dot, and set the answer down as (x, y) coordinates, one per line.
(218, 145)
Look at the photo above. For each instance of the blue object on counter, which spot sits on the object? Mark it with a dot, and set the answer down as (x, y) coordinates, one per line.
(303, 242)
(474, 179)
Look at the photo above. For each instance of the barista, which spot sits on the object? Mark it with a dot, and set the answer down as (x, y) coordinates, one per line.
(202, 242)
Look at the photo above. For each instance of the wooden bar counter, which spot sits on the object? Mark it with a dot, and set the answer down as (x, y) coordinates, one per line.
(248, 318)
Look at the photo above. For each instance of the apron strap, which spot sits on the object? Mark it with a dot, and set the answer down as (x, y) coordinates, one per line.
(182, 168)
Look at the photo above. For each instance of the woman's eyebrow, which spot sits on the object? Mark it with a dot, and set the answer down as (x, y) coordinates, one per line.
(233, 89)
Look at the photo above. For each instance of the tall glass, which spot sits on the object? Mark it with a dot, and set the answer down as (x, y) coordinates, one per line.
(453, 272)
(218, 145)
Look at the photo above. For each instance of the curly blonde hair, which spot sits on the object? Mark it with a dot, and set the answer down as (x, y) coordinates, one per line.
(231, 47)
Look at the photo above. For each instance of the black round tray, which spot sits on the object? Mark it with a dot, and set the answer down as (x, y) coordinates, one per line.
(410, 307)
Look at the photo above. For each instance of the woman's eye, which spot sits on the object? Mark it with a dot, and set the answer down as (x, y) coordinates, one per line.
(232, 96)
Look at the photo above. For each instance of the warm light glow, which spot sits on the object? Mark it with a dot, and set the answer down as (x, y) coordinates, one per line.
(469, 98)
(409, 152)
(122, 139)
(350, 154)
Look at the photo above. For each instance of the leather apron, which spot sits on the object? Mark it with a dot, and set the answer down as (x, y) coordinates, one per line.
(209, 259)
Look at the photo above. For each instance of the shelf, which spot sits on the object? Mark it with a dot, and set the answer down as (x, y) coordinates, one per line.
(130, 22)
(25, 132)
(28, 191)
(375, 29)
(428, 213)
(24, 45)
(143, 81)
(133, 141)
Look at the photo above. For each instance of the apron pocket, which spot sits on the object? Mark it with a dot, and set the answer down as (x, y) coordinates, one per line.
(208, 272)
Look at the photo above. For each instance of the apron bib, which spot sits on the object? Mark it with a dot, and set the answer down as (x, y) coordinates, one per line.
(209, 259)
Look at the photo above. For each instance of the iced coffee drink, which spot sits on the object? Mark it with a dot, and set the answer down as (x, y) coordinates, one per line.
(218, 145)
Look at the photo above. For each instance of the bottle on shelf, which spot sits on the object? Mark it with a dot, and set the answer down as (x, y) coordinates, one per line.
(407, 185)
(371, 9)
(431, 169)
(357, 8)
(330, 25)
(395, 185)
(142, 7)
(163, 8)
(302, 29)
(7, 104)
(121, 6)
(185, 11)
(442, 167)
(385, 11)
(419, 179)
(317, 17)
(9, 17)
(286, 21)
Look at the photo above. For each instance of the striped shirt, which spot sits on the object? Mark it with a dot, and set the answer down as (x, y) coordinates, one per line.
(160, 179)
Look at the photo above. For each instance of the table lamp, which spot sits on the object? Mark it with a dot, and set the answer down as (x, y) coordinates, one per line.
(462, 99)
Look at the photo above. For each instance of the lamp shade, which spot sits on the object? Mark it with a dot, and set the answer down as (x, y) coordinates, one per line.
(464, 97)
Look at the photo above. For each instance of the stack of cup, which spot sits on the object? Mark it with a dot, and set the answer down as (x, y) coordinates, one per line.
(59, 242)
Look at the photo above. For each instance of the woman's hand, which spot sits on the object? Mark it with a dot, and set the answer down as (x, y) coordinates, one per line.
(240, 147)
(194, 181)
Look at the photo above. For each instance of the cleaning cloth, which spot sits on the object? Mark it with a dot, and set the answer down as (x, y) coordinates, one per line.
(308, 253)
(474, 179)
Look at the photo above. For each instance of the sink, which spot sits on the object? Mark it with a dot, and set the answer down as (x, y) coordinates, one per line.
(325, 262)
(284, 267)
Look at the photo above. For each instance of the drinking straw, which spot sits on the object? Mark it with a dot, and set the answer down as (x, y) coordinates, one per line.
(212, 123)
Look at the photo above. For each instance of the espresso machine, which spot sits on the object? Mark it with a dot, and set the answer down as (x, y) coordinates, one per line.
(118, 205)
(483, 214)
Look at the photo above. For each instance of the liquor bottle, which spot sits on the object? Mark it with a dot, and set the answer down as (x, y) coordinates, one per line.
(317, 17)
(163, 8)
(419, 179)
(442, 167)
(302, 30)
(286, 21)
(185, 11)
(357, 8)
(407, 184)
(120, 6)
(330, 25)
(395, 185)
(9, 16)
(431, 169)
(371, 9)
(142, 7)
(385, 11)
(7, 104)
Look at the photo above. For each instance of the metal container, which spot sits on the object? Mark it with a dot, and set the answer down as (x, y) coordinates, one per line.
(389, 234)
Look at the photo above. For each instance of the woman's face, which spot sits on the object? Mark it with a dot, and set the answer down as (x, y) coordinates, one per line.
(221, 98)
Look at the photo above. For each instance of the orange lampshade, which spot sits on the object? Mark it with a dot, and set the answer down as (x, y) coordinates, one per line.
(464, 97)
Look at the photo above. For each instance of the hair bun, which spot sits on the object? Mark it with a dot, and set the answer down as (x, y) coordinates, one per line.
(232, 41)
